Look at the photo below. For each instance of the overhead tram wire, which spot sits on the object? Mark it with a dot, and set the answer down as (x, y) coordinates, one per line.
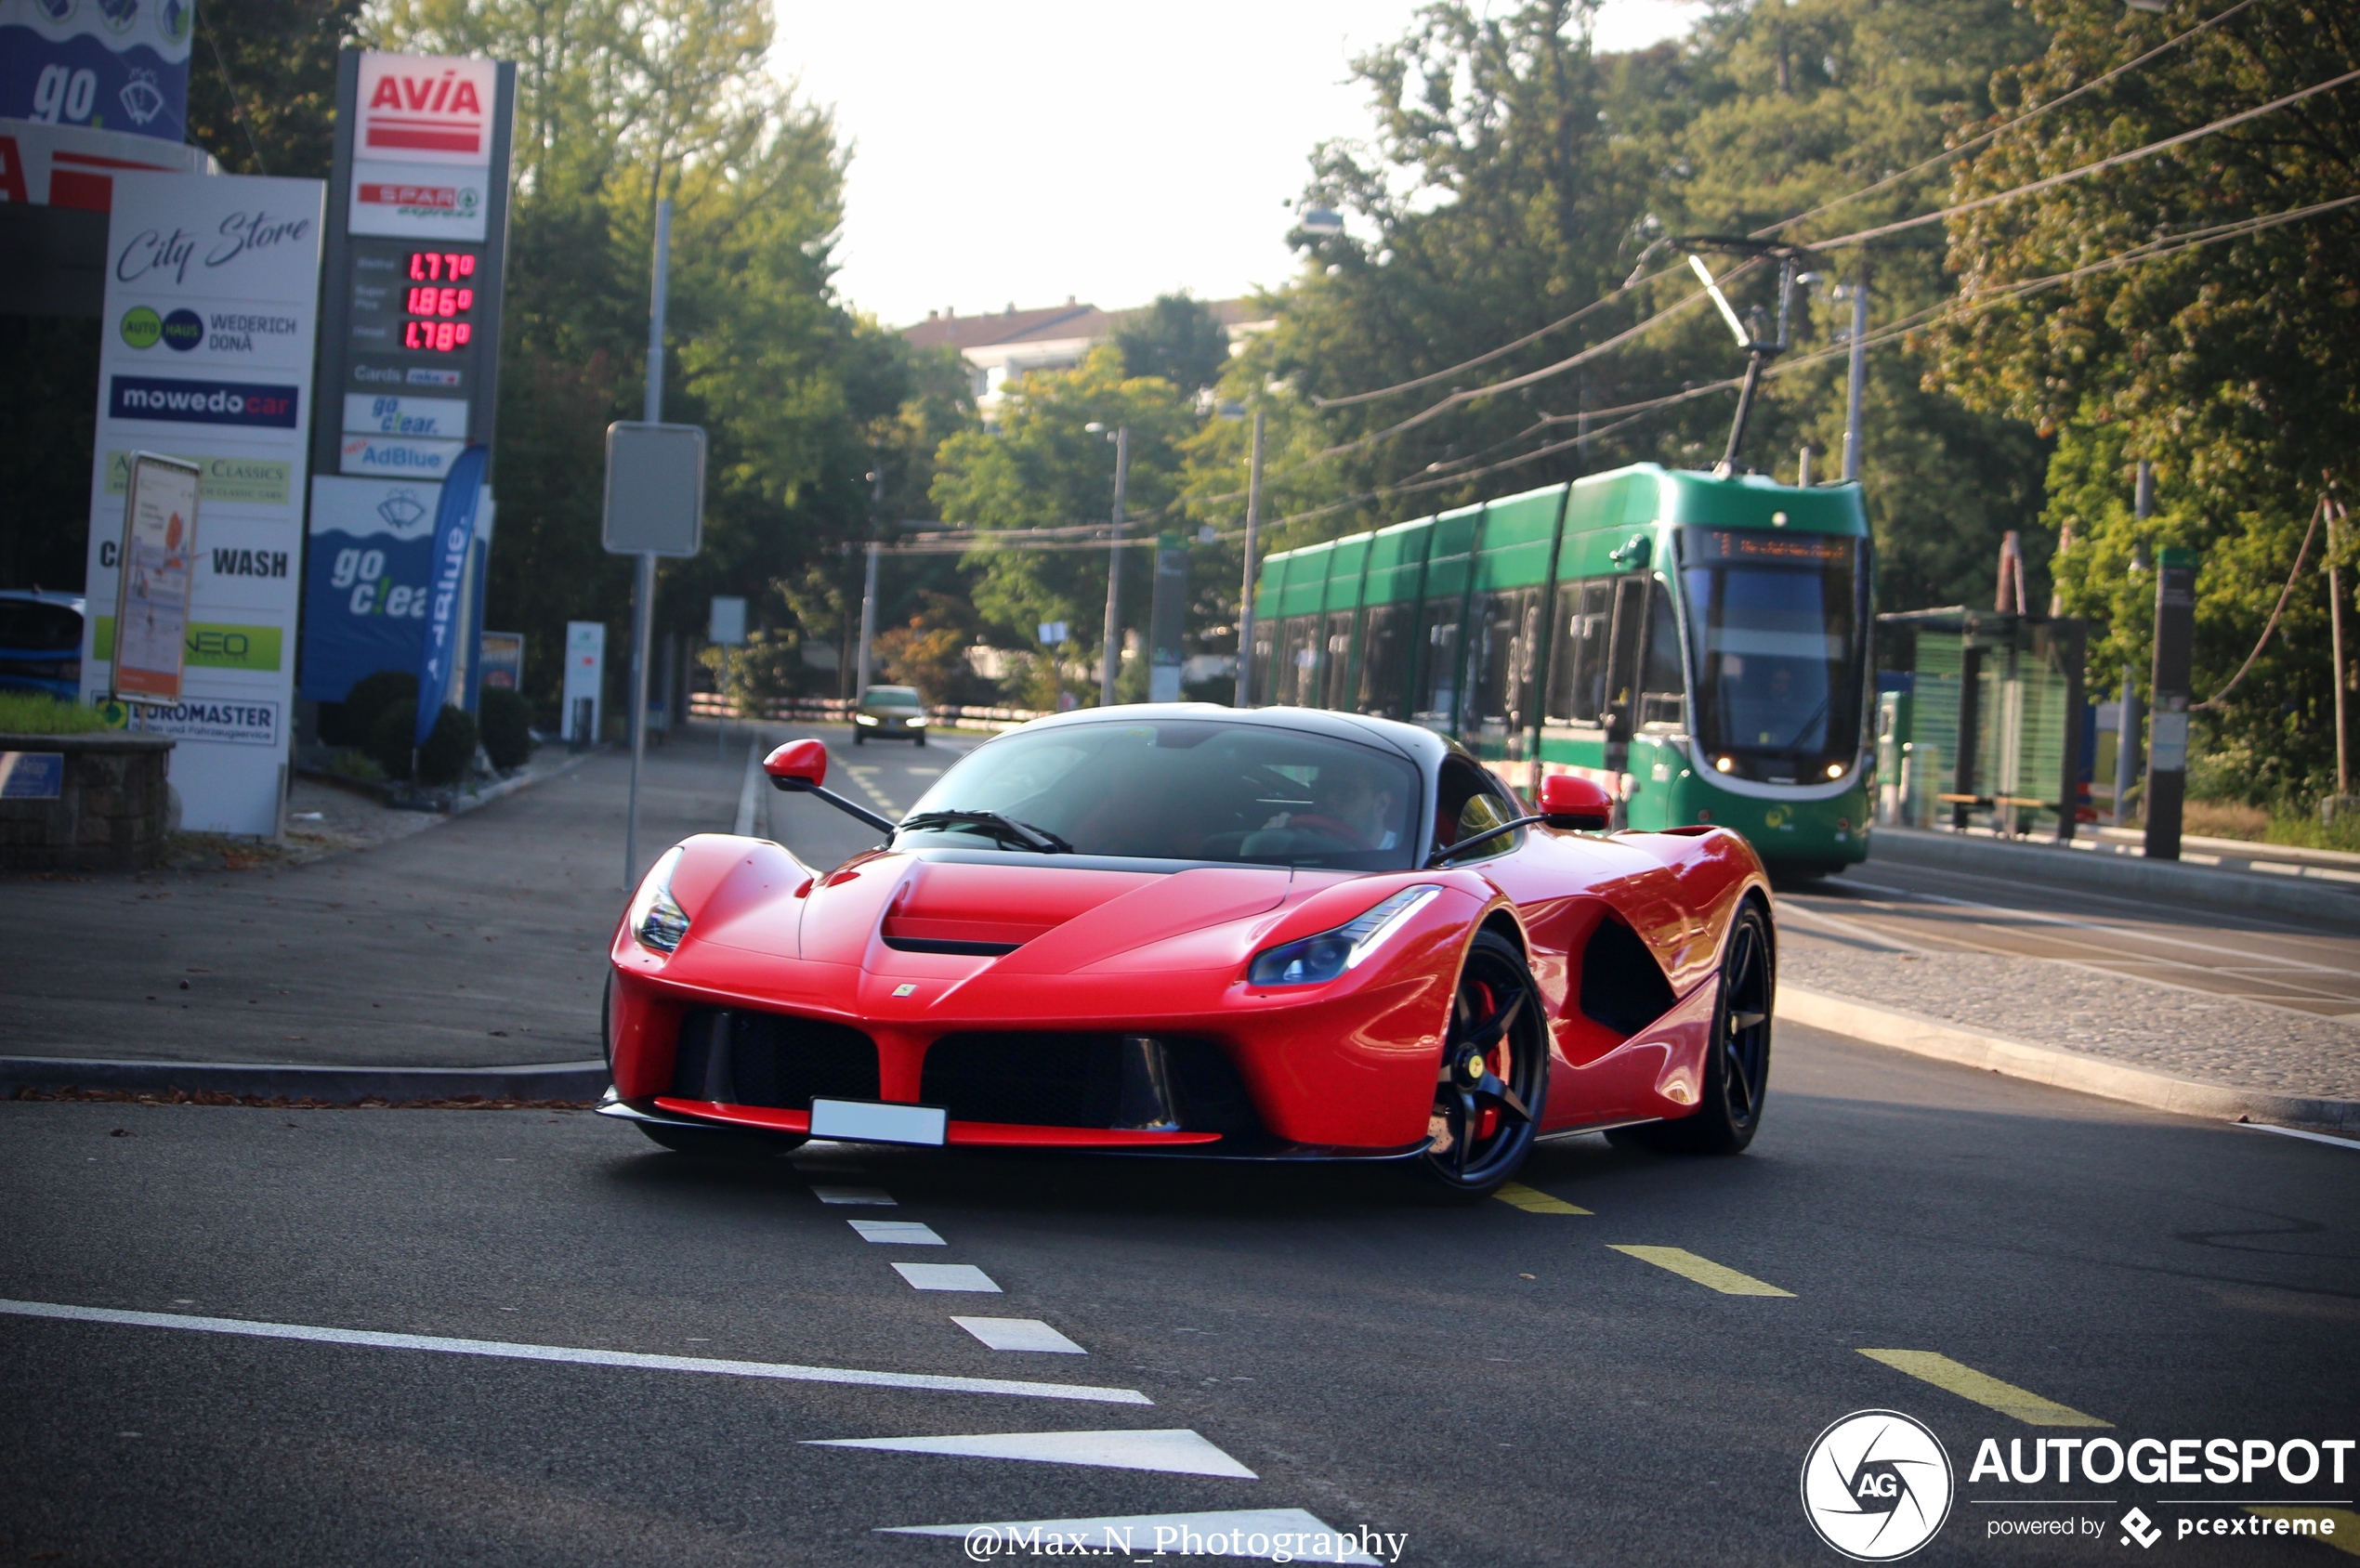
(1953, 309)
(1490, 354)
(2016, 124)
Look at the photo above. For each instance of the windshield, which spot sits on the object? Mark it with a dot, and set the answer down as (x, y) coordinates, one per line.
(1776, 623)
(893, 697)
(1185, 790)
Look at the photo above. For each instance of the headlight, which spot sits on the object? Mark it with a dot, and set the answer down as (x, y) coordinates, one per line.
(864, 718)
(656, 920)
(915, 723)
(1313, 960)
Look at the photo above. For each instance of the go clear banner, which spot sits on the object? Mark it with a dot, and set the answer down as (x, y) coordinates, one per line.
(206, 354)
(111, 65)
(369, 593)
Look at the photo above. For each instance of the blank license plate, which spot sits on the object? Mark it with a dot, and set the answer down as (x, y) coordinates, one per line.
(870, 1122)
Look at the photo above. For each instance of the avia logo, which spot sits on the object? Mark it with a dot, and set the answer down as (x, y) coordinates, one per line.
(414, 105)
(1877, 1485)
(2138, 1527)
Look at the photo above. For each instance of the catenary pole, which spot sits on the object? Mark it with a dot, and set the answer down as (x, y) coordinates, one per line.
(1113, 660)
(2337, 521)
(1245, 602)
(1859, 382)
(643, 601)
(2129, 724)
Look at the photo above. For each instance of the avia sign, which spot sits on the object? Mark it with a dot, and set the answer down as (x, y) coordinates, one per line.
(422, 148)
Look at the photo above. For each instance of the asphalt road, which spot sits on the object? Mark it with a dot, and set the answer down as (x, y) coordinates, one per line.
(2303, 965)
(1499, 1385)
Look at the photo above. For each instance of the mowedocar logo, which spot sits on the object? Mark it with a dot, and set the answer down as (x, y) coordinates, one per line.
(1877, 1485)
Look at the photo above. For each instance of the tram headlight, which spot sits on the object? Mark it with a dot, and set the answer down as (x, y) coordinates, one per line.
(1723, 764)
(1835, 770)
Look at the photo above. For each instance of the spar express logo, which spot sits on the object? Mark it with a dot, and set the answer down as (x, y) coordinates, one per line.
(202, 402)
(1877, 1485)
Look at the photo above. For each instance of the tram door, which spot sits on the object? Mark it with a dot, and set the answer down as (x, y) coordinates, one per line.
(1621, 714)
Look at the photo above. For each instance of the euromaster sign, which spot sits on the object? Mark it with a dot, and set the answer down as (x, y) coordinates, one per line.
(206, 354)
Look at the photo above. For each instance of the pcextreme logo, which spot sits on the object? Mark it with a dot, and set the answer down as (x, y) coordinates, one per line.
(1877, 1485)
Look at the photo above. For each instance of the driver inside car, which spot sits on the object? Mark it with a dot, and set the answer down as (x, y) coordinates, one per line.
(1347, 798)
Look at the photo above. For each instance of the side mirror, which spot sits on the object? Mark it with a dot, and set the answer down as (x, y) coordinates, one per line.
(1570, 801)
(798, 765)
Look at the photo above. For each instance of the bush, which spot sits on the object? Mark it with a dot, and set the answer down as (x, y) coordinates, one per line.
(36, 713)
(353, 722)
(505, 719)
(442, 760)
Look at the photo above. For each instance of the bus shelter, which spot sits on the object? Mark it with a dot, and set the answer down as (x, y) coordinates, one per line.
(1980, 721)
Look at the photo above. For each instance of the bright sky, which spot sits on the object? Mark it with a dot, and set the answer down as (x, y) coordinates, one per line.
(1029, 151)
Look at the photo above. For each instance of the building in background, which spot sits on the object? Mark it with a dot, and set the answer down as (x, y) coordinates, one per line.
(1007, 345)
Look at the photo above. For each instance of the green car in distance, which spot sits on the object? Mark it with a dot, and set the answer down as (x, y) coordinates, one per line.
(889, 712)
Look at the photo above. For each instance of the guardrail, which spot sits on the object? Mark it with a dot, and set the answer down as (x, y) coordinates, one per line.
(823, 710)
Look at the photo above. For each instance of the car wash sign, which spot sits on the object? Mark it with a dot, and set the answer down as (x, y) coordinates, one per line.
(104, 65)
(417, 252)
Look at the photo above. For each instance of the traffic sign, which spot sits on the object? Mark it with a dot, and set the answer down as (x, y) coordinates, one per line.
(655, 489)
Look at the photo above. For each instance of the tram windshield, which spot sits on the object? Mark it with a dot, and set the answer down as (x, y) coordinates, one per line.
(1776, 623)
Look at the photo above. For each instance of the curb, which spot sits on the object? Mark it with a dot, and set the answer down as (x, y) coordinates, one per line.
(548, 1080)
(2064, 1069)
(2159, 881)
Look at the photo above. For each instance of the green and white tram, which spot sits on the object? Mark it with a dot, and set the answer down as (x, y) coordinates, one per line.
(1697, 644)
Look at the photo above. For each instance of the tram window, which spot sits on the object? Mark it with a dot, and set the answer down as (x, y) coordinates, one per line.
(1265, 652)
(1578, 653)
(1298, 658)
(1619, 698)
(1385, 661)
(1500, 658)
(1339, 656)
(1439, 700)
(1662, 688)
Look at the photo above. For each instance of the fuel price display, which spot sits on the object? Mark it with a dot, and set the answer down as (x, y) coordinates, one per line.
(437, 301)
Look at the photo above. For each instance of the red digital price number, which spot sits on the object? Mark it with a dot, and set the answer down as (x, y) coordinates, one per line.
(437, 299)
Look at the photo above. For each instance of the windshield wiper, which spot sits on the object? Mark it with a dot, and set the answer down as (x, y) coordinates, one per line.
(1005, 829)
(1814, 719)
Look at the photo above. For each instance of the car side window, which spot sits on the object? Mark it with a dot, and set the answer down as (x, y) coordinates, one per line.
(1472, 802)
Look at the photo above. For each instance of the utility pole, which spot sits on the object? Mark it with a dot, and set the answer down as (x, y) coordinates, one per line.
(643, 605)
(1113, 660)
(869, 592)
(2127, 719)
(2337, 517)
(1245, 603)
(1859, 376)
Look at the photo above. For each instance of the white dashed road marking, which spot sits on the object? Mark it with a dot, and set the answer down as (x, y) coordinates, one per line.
(1173, 1451)
(1292, 1533)
(947, 1276)
(1018, 1334)
(782, 1371)
(896, 1232)
(853, 1194)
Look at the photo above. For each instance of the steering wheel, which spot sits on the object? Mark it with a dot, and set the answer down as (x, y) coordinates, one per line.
(1327, 827)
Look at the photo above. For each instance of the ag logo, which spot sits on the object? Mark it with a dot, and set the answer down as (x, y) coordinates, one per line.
(1877, 1485)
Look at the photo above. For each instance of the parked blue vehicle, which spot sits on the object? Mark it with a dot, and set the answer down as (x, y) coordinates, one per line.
(41, 643)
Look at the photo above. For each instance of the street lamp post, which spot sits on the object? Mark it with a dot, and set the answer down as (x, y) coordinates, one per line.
(1245, 603)
(1112, 658)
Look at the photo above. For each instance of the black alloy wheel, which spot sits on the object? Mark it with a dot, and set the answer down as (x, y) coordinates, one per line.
(1493, 1076)
(1736, 1069)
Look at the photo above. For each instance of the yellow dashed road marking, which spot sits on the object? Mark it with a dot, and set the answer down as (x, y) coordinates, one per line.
(1533, 1201)
(1704, 1271)
(1985, 1389)
(2346, 1538)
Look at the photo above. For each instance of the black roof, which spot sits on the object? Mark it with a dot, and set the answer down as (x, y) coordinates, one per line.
(1421, 746)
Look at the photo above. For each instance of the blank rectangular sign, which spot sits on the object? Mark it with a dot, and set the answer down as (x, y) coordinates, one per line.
(655, 489)
(870, 1122)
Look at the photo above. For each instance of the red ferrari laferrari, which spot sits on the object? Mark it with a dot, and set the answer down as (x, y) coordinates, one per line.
(1197, 932)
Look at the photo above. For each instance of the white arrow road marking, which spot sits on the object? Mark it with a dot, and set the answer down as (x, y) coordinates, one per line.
(947, 1276)
(783, 1371)
(897, 1233)
(1254, 1533)
(1173, 1451)
(1018, 1334)
(854, 1194)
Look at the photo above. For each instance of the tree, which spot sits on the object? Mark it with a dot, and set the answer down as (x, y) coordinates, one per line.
(262, 83)
(2228, 366)
(1044, 469)
(1175, 338)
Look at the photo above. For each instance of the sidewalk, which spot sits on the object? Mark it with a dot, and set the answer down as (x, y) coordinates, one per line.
(473, 942)
(2312, 884)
